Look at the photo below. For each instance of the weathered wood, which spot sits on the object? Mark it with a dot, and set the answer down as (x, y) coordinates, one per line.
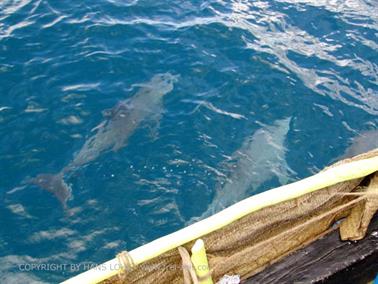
(327, 260)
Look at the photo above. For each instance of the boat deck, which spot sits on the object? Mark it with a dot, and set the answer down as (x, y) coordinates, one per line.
(327, 260)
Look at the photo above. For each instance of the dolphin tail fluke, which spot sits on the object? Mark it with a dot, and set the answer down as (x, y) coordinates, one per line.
(285, 174)
(209, 212)
(55, 184)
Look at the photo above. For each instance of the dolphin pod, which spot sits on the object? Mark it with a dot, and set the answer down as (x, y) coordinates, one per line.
(260, 158)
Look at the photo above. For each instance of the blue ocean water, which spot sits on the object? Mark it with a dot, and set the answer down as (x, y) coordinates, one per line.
(241, 66)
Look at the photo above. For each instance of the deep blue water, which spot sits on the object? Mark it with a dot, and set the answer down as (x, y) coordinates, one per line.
(241, 66)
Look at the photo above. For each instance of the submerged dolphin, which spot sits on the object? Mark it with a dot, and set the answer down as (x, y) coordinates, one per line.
(112, 134)
(261, 157)
(362, 143)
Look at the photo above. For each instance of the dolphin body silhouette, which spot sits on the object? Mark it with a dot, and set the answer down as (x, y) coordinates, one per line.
(112, 134)
(261, 157)
(362, 143)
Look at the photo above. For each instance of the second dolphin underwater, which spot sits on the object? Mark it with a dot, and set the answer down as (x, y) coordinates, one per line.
(112, 134)
(260, 158)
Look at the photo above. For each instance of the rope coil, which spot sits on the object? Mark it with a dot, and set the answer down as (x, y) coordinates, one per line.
(126, 263)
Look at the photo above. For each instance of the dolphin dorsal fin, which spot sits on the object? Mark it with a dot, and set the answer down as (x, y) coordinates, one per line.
(107, 113)
(111, 112)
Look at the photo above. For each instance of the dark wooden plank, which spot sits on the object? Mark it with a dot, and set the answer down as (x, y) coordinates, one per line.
(327, 260)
